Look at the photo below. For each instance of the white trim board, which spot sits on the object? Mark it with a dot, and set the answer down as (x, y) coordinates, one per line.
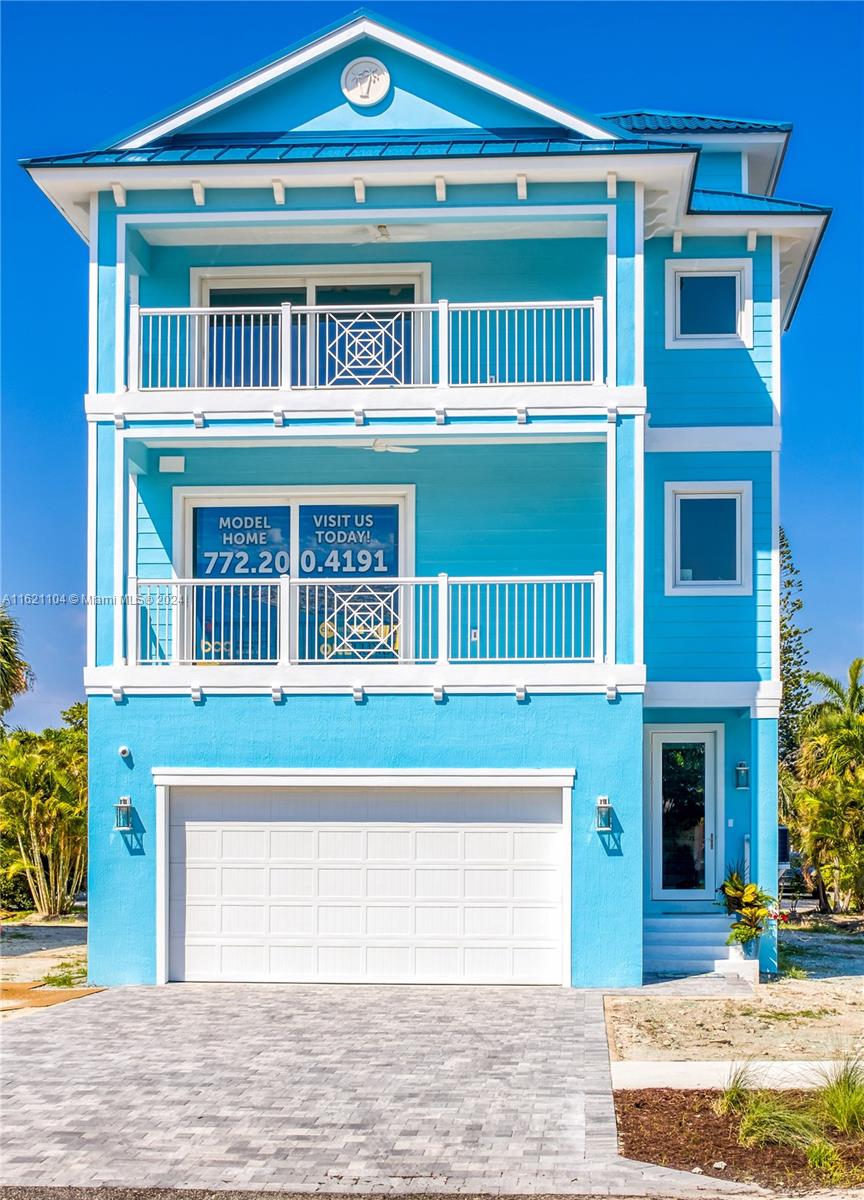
(346, 35)
(741, 269)
(708, 438)
(761, 698)
(419, 274)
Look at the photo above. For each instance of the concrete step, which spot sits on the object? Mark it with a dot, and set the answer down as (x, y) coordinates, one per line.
(700, 921)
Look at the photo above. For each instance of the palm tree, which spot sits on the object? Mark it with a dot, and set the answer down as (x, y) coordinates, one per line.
(833, 742)
(15, 674)
(837, 699)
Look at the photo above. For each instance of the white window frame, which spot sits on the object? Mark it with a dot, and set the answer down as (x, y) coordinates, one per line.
(186, 499)
(740, 490)
(742, 271)
(713, 738)
(311, 276)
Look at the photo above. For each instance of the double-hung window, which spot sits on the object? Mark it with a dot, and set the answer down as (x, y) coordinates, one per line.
(709, 539)
(709, 303)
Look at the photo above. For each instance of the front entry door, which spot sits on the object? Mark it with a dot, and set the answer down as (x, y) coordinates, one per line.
(684, 809)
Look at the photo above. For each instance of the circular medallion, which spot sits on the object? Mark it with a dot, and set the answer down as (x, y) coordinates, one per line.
(365, 81)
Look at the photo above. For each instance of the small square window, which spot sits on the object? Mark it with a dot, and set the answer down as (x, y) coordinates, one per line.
(708, 539)
(709, 304)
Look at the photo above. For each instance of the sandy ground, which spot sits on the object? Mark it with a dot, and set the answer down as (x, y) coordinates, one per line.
(815, 1017)
(31, 949)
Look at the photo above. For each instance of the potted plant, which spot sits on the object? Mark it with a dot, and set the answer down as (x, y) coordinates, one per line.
(751, 907)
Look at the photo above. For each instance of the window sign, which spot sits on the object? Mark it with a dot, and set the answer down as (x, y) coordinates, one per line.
(238, 553)
(241, 540)
(358, 616)
(349, 539)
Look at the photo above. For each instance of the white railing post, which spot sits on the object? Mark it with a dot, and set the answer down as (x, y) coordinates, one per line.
(443, 343)
(285, 622)
(133, 378)
(443, 655)
(597, 336)
(176, 602)
(285, 348)
(597, 622)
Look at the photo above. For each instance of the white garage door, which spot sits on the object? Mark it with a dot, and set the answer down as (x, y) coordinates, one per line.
(389, 885)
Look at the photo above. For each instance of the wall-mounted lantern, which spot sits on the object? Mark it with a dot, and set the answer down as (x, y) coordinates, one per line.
(603, 817)
(742, 777)
(123, 815)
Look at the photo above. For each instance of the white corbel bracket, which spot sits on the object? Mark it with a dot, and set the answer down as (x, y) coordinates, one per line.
(521, 693)
(119, 194)
(198, 194)
(198, 419)
(438, 693)
(196, 694)
(276, 694)
(278, 191)
(360, 191)
(117, 695)
(751, 241)
(278, 418)
(611, 185)
(611, 693)
(119, 420)
(521, 416)
(359, 416)
(677, 241)
(440, 416)
(521, 187)
(358, 694)
(440, 189)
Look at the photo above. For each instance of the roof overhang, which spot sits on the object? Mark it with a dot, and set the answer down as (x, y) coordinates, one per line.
(765, 152)
(70, 188)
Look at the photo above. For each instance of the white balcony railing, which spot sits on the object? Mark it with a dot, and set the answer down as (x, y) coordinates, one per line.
(298, 621)
(380, 346)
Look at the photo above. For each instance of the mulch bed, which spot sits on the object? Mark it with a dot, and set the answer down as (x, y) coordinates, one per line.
(680, 1129)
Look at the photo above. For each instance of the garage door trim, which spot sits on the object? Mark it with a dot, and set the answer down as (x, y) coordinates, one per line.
(166, 778)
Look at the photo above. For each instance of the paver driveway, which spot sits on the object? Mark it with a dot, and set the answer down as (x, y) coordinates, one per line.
(306, 1088)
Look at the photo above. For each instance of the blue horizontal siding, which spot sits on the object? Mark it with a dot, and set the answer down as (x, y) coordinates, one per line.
(708, 387)
(707, 637)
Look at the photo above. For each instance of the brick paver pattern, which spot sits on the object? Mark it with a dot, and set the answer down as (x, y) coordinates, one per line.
(305, 1088)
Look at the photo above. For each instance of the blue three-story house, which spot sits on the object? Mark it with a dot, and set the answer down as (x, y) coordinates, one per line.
(434, 431)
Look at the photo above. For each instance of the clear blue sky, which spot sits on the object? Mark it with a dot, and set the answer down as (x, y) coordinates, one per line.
(75, 74)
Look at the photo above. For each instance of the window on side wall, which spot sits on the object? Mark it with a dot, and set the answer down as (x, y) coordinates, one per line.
(709, 304)
(709, 539)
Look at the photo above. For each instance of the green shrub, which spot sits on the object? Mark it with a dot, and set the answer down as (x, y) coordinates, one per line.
(768, 1121)
(826, 1159)
(840, 1099)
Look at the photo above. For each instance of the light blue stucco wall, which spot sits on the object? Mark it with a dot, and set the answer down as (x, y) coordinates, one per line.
(707, 637)
(708, 387)
(763, 783)
(601, 741)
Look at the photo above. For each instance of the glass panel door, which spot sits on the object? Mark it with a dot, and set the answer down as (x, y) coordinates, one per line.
(683, 805)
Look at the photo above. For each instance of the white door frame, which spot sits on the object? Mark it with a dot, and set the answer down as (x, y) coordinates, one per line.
(168, 778)
(712, 735)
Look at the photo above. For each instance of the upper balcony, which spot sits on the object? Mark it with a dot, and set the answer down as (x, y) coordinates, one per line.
(300, 348)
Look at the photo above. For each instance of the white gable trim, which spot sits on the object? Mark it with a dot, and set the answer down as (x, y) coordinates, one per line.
(352, 32)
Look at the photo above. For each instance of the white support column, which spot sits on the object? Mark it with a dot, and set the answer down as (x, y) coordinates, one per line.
(285, 348)
(133, 622)
(611, 532)
(443, 344)
(597, 345)
(443, 656)
(639, 539)
(133, 382)
(598, 610)
(119, 545)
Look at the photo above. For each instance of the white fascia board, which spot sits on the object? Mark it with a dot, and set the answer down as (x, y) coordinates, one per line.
(352, 32)
(687, 439)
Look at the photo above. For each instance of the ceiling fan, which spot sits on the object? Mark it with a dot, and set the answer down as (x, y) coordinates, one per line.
(380, 446)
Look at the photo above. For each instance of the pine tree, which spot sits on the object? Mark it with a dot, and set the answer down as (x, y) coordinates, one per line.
(793, 655)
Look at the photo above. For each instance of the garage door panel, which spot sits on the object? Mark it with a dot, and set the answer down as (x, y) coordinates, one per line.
(398, 885)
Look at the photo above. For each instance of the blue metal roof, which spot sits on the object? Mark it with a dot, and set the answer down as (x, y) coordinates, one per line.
(647, 120)
(292, 147)
(705, 200)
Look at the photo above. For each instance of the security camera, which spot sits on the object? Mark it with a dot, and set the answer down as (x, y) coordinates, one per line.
(124, 751)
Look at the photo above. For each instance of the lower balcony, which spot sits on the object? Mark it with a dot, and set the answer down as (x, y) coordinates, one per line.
(346, 632)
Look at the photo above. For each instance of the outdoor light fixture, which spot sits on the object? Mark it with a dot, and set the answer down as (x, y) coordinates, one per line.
(603, 821)
(742, 777)
(123, 815)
